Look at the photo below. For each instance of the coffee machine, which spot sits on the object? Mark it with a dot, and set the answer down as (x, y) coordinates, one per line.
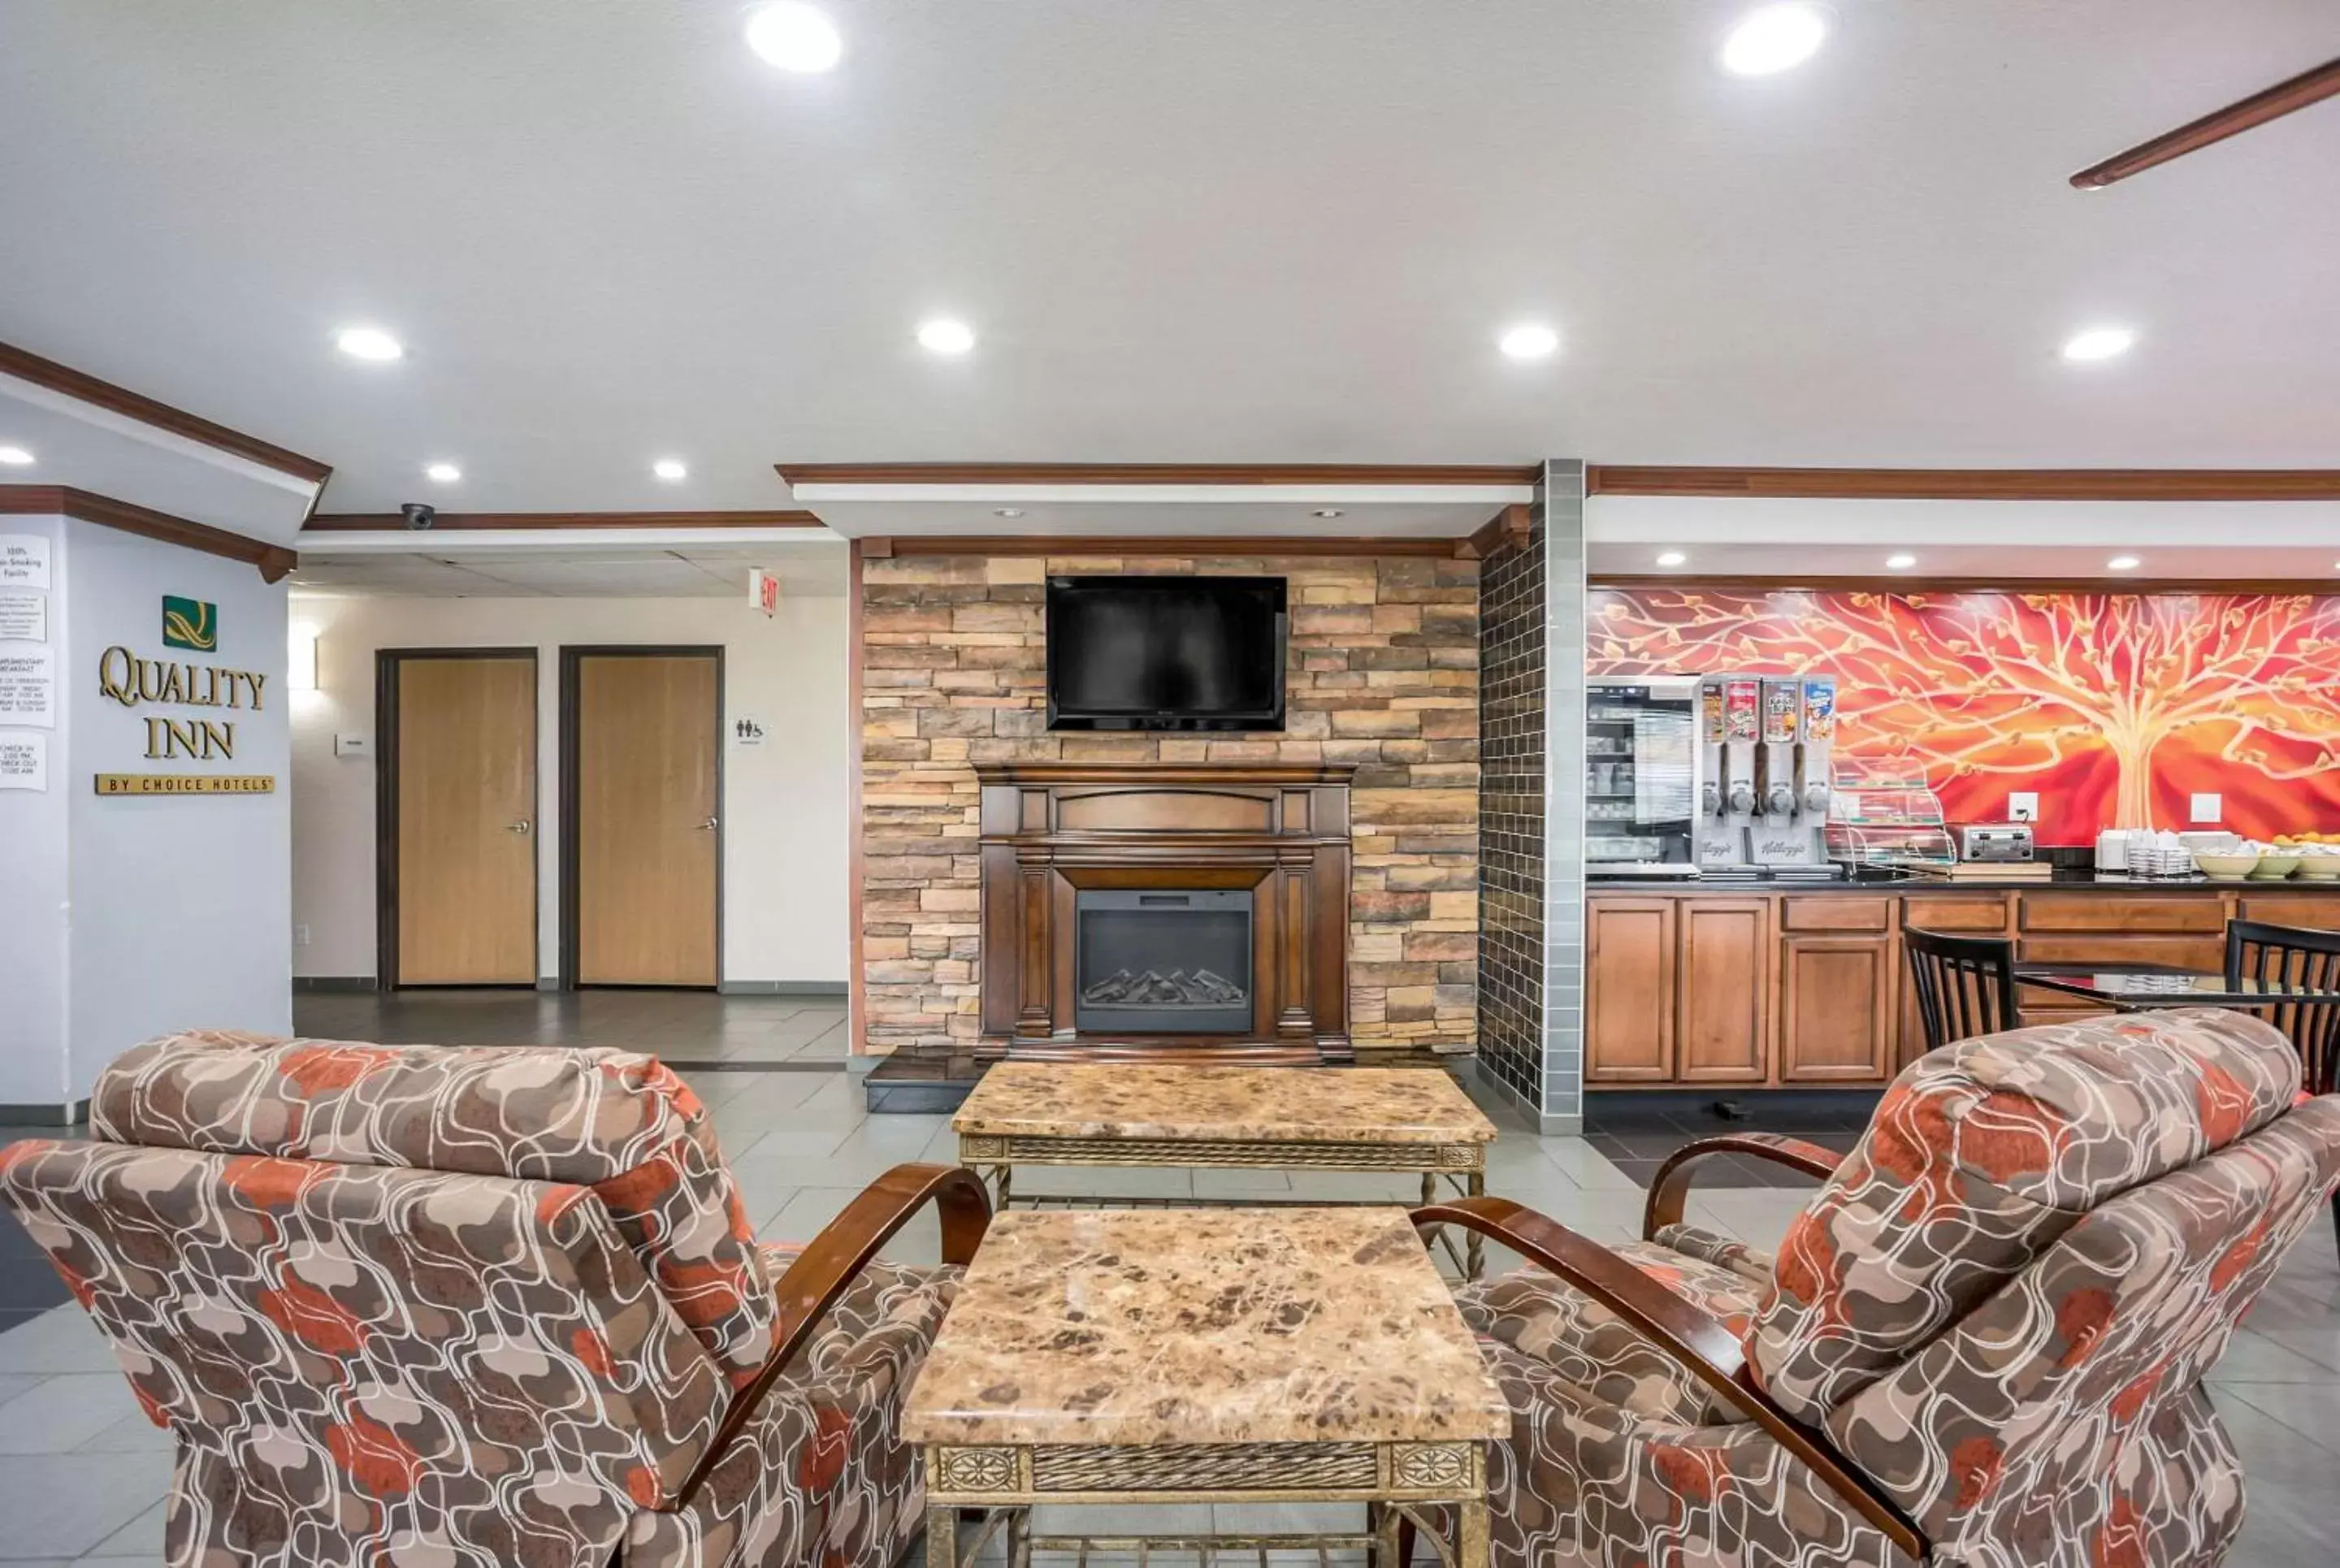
(1766, 743)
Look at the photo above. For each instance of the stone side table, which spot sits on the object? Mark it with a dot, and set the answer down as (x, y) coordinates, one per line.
(1217, 1355)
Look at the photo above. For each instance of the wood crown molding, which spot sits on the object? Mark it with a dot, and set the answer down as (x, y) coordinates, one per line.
(274, 560)
(2268, 103)
(498, 522)
(1232, 547)
(1908, 585)
(1157, 473)
(1969, 483)
(1509, 528)
(73, 384)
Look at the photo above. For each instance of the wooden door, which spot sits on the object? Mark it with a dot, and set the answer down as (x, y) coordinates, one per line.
(1836, 1010)
(460, 734)
(1723, 991)
(645, 839)
(1629, 991)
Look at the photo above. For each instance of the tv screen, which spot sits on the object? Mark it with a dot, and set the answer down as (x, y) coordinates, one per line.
(1166, 652)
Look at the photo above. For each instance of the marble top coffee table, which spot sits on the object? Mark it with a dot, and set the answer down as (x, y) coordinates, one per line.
(1396, 1119)
(1205, 1356)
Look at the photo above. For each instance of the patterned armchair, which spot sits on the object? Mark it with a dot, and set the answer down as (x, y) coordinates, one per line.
(1982, 1342)
(440, 1307)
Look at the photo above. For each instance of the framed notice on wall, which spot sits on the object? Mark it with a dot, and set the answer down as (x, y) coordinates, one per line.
(24, 560)
(28, 685)
(24, 615)
(23, 759)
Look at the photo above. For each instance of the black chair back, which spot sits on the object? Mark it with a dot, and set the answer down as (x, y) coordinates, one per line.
(2309, 960)
(1966, 985)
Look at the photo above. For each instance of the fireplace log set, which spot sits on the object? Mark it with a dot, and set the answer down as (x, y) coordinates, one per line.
(1203, 989)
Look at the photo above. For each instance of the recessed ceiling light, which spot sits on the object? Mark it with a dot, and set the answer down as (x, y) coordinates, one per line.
(443, 473)
(2123, 563)
(945, 336)
(1327, 511)
(669, 468)
(1900, 563)
(794, 37)
(2100, 343)
(15, 456)
(1528, 341)
(369, 344)
(1672, 558)
(1007, 512)
(1774, 38)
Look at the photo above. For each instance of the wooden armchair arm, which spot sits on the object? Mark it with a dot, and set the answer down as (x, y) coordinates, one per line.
(1692, 1337)
(1670, 1188)
(827, 1268)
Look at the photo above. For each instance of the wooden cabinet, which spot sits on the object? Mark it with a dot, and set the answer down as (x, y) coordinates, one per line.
(2317, 912)
(1723, 991)
(1726, 986)
(1837, 1011)
(1628, 994)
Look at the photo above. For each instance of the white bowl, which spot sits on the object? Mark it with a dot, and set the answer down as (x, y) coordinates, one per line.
(2274, 868)
(2228, 867)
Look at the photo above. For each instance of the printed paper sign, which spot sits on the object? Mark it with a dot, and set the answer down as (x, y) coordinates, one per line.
(28, 685)
(23, 759)
(24, 615)
(24, 560)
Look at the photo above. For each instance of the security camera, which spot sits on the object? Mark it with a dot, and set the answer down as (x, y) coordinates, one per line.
(418, 515)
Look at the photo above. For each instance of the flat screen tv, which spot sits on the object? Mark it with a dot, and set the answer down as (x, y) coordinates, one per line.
(1166, 652)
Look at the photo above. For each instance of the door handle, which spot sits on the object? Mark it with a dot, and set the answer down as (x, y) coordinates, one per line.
(707, 825)
(522, 825)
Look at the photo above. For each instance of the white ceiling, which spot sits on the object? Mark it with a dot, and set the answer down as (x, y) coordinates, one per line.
(1215, 231)
(630, 571)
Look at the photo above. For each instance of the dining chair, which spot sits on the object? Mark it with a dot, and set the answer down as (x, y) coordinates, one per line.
(2309, 959)
(1966, 985)
(477, 1306)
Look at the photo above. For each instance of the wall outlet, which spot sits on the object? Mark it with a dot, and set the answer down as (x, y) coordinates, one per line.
(301, 936)
(2205, 809)
(2023, 807)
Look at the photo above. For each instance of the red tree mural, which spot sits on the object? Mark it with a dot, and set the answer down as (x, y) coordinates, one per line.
(2115, 707)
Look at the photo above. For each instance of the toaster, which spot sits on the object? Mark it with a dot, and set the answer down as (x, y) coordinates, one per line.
(1995, 842)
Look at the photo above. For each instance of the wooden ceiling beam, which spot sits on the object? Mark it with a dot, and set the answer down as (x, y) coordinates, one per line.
(1968, 483)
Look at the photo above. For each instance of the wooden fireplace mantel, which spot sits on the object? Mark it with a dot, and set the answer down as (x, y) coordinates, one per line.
(1282, 832)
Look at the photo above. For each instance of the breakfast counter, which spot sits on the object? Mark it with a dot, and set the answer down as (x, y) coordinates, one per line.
(1751, 984)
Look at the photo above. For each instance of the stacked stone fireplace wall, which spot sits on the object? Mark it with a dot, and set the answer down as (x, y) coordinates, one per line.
(1383, 675)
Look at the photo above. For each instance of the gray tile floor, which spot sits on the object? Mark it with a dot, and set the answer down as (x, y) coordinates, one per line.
(81, 1471)
(682, 1026)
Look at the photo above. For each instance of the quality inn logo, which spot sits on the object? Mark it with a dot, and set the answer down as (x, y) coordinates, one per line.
(190, 623)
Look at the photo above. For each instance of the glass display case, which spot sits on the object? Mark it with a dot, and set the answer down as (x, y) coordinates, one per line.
(1884, 819)
(1640, 776)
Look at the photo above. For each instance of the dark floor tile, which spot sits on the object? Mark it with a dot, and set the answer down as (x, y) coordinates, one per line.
(30, 1284)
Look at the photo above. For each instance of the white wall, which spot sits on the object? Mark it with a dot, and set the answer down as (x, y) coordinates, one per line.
(181, 905)
(130, 917)
(33, 896)
(786, 837)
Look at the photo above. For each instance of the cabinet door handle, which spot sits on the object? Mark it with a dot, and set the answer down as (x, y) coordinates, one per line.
(707, 825)
(522, 825)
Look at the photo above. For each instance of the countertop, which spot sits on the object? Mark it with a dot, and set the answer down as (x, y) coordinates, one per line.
(1131, 1100)
(1169, 1327)
(2065, 877)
